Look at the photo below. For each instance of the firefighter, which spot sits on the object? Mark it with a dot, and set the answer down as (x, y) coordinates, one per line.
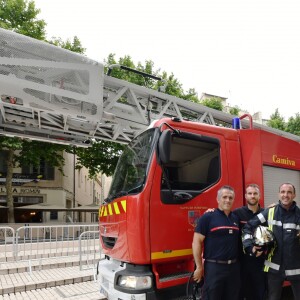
(283, 261)
(252, 274)
(219, 232)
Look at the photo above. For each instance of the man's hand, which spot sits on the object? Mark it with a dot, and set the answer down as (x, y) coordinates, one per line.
(198, 274)
(257, 251)
(209, 210)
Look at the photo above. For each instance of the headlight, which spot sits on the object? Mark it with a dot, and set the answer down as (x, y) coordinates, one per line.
(135, 282)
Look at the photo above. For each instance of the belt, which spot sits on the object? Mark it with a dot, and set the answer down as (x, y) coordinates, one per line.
(225, 262)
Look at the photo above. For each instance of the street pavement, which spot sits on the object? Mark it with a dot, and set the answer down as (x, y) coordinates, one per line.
(59, 278)
(78, 291)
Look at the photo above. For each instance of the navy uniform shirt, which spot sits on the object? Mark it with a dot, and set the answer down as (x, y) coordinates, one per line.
(221, 235)
(245, 214)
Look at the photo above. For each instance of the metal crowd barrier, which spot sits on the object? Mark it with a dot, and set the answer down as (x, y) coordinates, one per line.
(89, 258)
(7, 243)
(28, 243)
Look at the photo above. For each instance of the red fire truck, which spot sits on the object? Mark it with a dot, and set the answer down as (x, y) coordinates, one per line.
(167, 177)
(179, 154)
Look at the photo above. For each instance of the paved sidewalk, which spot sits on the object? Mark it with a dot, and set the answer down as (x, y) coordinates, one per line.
(45, 271)
(78, 291)
(57, 283)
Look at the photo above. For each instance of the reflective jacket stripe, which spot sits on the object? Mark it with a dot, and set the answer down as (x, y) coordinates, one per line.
(271, 265)
(271, 218)
(291, 226)
(261, 218)
(268, 263)
(292, 272)
(247, 236)
(274, 222)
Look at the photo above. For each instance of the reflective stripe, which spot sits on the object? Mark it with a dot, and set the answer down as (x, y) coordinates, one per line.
(170, 253)
(292, 272)
(261, 218)
(247, 236)
(272, 265)
(290, 226)
(116, 208)
(274, 222)
(268, 263)
(224, 227)
(271, 217)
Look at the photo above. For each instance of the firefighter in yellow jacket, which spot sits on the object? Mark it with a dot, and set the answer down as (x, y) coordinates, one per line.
(283, 261)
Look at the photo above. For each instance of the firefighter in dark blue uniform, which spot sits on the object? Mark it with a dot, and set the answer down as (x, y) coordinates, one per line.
(219, 231)
(252, 274)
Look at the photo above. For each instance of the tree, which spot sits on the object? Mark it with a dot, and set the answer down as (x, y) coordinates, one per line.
(293, 125)
(22, 153)
(191, 95)
(21, 17)
(277, 121)
(213, 102)
(101, 157)
(74, 45)
(234, 110)
(172, 85)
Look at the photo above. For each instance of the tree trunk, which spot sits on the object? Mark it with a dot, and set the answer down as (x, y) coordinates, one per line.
(9, 193)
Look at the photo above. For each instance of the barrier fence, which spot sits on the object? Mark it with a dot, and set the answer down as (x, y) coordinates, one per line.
(28, 243)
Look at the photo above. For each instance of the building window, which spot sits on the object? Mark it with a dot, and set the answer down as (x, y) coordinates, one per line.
(53, 215)
(43, 169)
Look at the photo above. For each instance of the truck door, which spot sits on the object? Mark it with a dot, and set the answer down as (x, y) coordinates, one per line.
(184, 186)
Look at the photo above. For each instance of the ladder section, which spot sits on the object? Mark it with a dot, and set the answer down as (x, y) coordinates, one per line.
(54, 95)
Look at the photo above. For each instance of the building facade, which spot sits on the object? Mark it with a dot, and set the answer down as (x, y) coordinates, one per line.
(46, 195)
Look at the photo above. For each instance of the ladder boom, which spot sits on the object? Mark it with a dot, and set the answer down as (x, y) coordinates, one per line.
(52, 94)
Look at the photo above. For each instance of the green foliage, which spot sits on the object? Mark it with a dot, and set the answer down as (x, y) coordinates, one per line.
(28, 152)
(234, 110)
(173, 86)
(293, 125)
(102, 157)
(74, 46)
(33, 152)
(277, 121)
(21, 17)
(13, 143)
(213, 102)
(191, 95)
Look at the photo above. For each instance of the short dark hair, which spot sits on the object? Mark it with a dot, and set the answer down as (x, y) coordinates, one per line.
(288, 183)
(254, 185)
(225, 187)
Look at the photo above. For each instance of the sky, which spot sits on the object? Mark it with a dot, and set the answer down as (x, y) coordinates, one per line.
(247, 51)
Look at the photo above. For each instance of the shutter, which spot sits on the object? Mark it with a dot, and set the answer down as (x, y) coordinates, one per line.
(273, 178)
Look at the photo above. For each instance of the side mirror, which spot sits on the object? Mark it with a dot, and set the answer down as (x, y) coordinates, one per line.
(164, 146)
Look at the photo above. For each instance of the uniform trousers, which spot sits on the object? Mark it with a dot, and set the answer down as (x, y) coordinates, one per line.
(221, 281)
(253, 278)
(275, 282)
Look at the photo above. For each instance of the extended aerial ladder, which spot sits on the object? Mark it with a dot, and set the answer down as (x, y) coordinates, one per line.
(54, 95)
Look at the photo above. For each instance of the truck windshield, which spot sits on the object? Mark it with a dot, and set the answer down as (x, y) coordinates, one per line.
(132, 167)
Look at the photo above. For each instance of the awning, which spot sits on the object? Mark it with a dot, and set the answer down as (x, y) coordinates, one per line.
(90, 207)
(42, 207)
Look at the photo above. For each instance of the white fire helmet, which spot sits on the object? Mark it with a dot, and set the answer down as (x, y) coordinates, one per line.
(263, 237)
